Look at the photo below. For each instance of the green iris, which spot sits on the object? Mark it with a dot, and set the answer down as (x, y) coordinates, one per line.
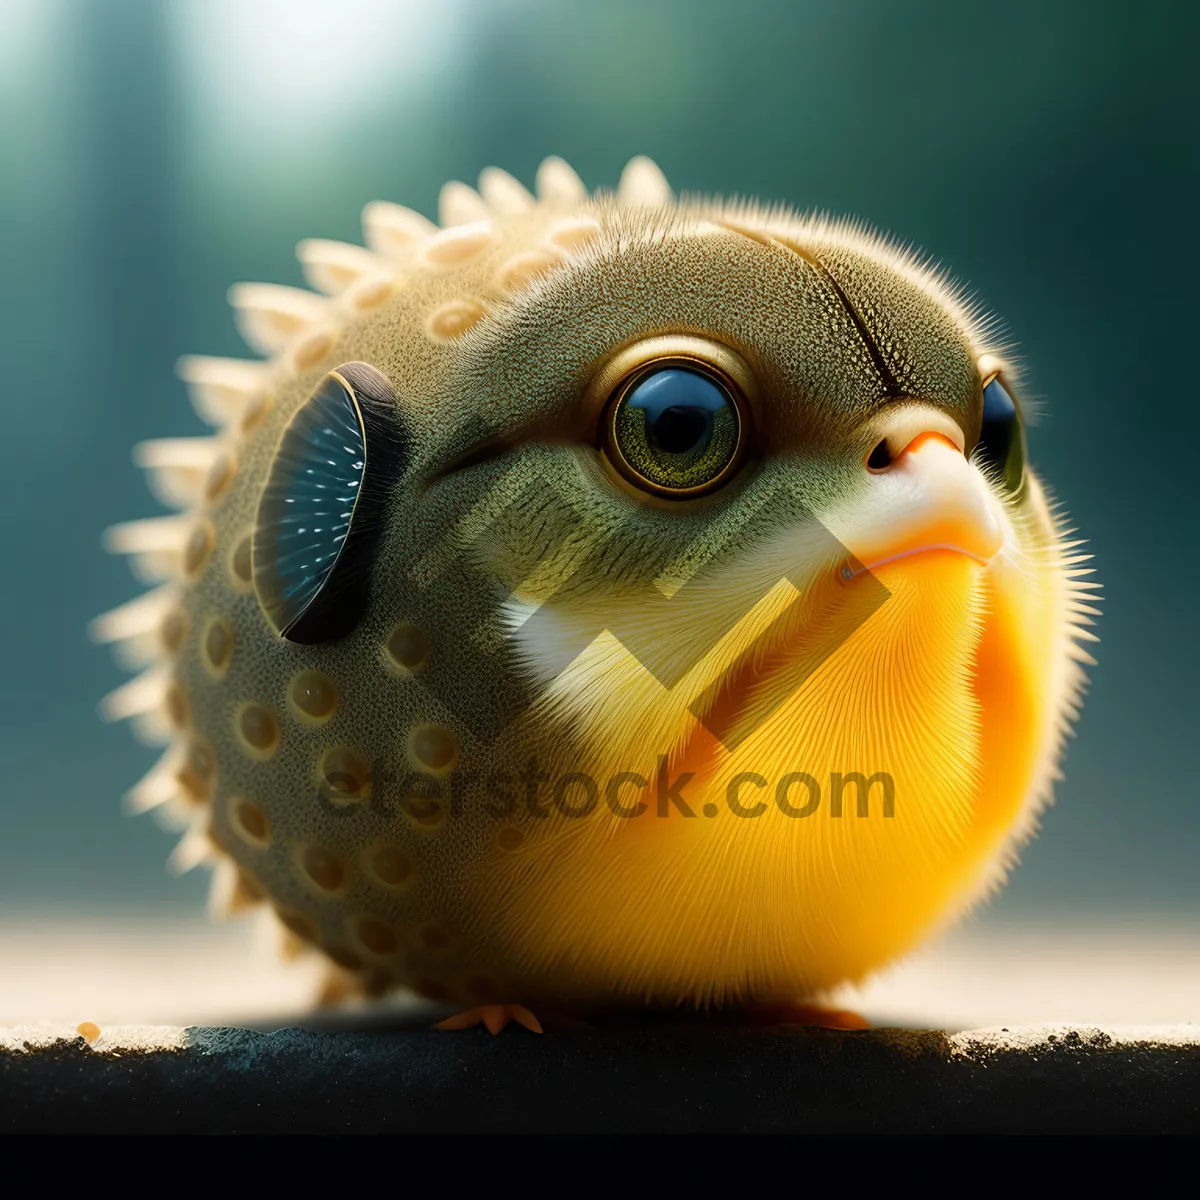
(676, 429)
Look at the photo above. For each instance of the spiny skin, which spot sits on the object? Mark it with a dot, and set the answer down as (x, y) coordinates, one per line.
(492, 332)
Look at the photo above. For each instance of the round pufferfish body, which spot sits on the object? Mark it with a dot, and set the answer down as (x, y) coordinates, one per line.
(603, 600)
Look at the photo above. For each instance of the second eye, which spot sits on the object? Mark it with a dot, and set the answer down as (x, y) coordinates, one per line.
(674, 429)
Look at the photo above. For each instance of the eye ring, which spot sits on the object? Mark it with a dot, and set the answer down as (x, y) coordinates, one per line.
(718, 366)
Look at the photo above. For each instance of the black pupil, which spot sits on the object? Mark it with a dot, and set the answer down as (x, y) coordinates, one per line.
(1001, 440)
(678, 429)
(680, 406)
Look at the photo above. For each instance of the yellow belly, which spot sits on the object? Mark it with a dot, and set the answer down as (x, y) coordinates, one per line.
(934, 694)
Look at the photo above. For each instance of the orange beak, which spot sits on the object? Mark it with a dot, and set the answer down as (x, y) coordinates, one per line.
(932, 499)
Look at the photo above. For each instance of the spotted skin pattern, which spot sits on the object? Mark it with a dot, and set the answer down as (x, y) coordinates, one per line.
(301, 773)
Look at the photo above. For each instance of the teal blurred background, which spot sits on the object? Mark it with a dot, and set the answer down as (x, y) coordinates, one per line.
(154, 151)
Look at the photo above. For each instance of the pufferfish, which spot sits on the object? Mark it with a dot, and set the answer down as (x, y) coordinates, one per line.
(603, 600)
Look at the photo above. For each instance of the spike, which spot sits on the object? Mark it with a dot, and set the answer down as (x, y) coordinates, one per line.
(460, 205)
(290, 946)
(195, 452)
(222, 389)
(275, 939)
(332, 267)
(558, 185)
(155, 546)
(269, 315)
(177, 467)
(643, 184)
(521, 271)
(176, 487)
(231, 891)
(136, 628)
(151, 728)
(458, 245)
(311, 350)
(155, 566)
(154, 533)
(137, 653)
(143, 694)
(394, 230)
(337, 987)
(159, 786)
(190, 851)
(502, 193)
(371, 293)
(142, 614)
(220, 890)
(573, 233)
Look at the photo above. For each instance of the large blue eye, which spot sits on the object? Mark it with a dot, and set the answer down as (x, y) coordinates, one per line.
(312, 541)
(675, 429)
(1002, 435)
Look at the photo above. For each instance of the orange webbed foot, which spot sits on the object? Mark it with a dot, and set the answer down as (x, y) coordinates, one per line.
(494, 1016)
(813, 1015)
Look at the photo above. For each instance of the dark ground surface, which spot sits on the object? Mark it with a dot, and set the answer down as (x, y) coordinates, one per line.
(700, 1080)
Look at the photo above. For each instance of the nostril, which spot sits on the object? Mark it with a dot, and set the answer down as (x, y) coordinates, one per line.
(904, 429)
(880, 458)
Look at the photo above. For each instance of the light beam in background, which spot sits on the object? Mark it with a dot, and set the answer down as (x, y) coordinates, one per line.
(24, 32)
(274, 68)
